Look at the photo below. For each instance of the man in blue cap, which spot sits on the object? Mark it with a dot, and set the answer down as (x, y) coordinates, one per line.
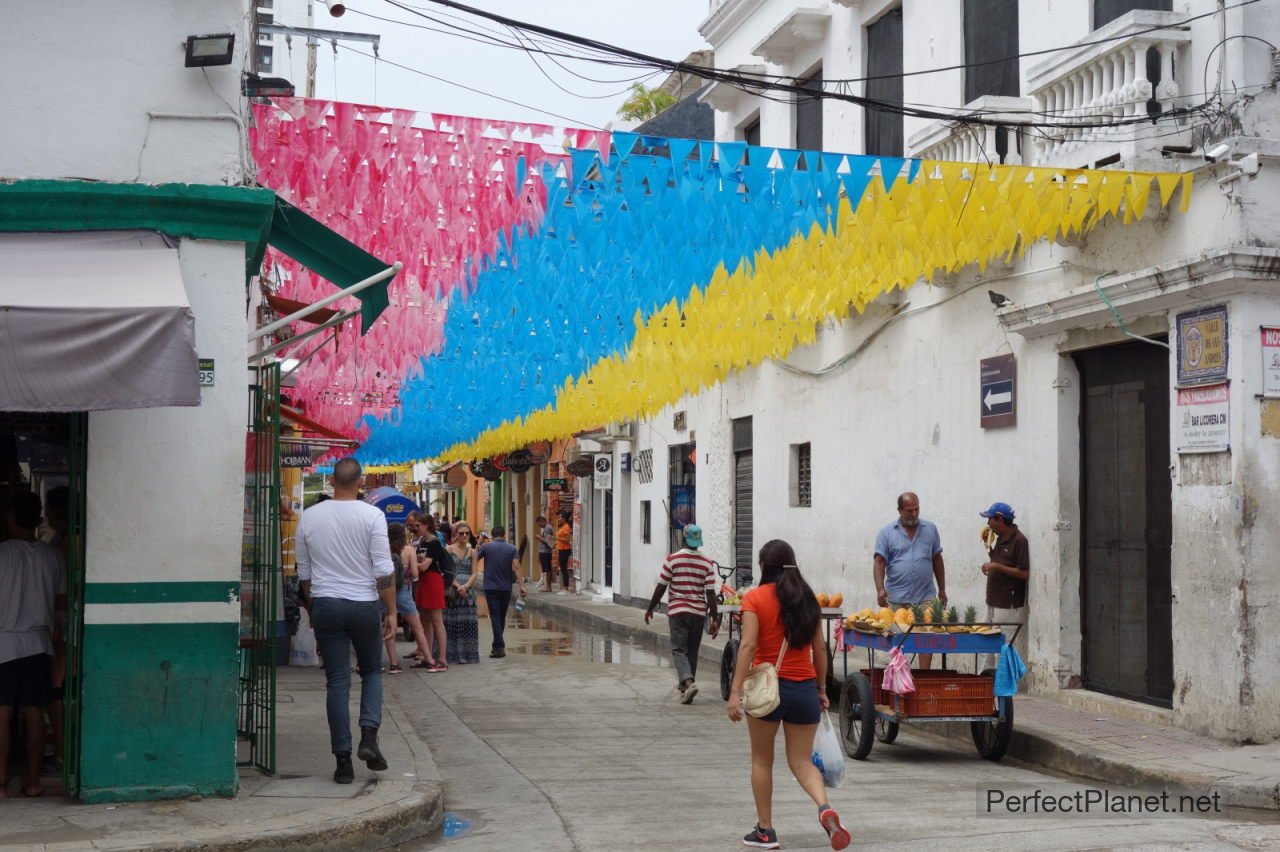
(693, 582)
(1007, 570)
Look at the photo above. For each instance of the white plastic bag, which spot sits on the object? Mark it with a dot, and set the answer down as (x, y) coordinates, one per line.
(827, 754)
(303, 646)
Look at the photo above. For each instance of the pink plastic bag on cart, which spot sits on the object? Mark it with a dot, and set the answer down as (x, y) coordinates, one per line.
(897, 675)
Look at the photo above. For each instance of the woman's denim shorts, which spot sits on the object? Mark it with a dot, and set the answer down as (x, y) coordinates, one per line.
(799, 703)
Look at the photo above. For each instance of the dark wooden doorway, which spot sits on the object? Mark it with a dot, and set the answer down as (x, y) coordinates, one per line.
(1126, 499)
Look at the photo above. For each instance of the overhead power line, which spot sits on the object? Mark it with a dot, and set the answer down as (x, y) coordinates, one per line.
(766, 85)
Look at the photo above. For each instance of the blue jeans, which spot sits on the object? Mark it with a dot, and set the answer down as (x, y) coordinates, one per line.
(498, 602)
(339, 625)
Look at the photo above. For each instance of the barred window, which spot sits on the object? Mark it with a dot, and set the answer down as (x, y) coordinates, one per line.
(801, 481)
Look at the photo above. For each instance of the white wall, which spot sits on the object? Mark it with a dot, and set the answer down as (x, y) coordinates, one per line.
(84, 76)
(904, 413)
(166, 485)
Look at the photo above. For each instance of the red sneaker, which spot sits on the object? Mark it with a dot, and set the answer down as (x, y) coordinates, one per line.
(839, 835)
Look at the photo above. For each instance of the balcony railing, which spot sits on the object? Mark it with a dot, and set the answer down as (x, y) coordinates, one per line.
(1132, 73)
(974, 143)
(1133, 76)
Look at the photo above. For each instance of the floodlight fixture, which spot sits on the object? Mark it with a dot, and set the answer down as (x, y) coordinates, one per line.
(206, 50)
(336, 8)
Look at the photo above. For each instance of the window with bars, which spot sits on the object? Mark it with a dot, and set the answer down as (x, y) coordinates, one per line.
(801, 476)
(646, 521)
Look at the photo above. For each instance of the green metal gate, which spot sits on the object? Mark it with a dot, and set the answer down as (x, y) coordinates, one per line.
(77, 461)
(260, 572)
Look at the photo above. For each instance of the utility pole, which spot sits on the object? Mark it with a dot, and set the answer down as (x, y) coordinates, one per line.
(314, 36)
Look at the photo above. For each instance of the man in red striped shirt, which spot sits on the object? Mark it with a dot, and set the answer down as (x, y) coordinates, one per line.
(691, 578)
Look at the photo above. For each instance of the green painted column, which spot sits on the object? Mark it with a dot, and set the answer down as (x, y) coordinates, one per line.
(498, 500)
(160, 692)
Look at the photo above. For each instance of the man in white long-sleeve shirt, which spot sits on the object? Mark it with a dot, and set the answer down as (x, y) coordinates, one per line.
(344, 565)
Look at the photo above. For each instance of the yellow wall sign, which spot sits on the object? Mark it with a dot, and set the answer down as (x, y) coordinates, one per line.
(1202, 345)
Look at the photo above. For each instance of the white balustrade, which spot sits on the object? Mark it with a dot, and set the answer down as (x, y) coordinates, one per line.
(1101, 83)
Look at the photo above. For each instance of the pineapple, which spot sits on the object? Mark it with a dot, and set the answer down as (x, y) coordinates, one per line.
(952, 616)
(938, 611)
(970, 614)
(917, 614)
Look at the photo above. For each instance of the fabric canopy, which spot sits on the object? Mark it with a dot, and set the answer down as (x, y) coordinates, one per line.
(94, 321)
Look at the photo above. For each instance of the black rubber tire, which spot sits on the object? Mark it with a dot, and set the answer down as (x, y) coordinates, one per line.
(834, 686)
(857, 716)
(991, 739)
(886, 731)
(728, 659)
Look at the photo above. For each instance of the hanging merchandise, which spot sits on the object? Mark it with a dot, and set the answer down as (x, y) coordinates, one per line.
(564, 287)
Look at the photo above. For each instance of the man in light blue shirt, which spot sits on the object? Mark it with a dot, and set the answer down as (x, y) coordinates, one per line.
(909, 558)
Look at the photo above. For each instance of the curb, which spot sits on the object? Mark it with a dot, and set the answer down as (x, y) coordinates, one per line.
(1028, 744)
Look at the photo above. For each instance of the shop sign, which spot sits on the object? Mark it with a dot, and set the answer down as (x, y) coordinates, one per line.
(557, 484)
(1203, 418)
(1202, 346)
(205, 366)
(295, 455)
(604, 471)
(1270, 361)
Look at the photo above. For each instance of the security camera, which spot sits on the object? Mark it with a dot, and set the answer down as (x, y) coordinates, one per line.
(336, 9)
(1217, 152)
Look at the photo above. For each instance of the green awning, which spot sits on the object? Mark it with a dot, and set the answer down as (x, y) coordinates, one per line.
(330, 255)
(252, 215)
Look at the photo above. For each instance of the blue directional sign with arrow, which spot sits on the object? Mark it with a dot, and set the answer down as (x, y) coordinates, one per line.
(998, 385)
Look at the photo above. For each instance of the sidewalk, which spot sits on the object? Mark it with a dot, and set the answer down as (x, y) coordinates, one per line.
(1086, 743)
(299, 808)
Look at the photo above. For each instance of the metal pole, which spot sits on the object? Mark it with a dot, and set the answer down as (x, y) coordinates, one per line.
(327, 300)
(311, 55)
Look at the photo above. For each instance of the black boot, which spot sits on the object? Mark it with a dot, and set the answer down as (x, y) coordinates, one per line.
(368, 750)
(344, 774)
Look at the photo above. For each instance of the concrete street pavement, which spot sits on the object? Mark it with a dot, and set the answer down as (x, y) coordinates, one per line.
(300, 807)
(576, 741)
(579, 744)
(1089, 738)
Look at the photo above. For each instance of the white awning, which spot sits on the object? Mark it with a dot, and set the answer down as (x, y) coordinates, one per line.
(93, 321)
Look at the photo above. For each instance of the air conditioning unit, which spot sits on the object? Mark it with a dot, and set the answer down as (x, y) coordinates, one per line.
(619, 431)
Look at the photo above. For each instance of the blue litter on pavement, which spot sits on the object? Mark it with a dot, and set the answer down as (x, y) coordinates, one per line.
(455, 826)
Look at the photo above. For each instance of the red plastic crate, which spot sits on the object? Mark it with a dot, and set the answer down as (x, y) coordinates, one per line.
(939, 693)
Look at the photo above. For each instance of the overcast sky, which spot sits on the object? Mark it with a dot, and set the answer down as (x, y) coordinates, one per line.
(666, 28)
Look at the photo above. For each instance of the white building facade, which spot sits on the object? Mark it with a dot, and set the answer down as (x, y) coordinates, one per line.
(1142, 453)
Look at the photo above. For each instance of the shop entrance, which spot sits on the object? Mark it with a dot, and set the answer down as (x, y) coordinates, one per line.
(45, 454)
(1126, 534)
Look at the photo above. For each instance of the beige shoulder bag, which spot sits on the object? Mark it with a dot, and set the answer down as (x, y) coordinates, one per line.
(760, 687)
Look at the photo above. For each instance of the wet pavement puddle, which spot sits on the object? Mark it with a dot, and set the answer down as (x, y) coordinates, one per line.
(530, 633)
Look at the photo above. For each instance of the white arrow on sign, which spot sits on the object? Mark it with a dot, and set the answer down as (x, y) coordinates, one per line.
(992, 399)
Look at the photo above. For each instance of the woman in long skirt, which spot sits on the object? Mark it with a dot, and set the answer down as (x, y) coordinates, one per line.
(460, 607)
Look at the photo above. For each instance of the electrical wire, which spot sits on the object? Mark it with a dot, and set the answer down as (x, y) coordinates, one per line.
(759, 84)
(376, 59)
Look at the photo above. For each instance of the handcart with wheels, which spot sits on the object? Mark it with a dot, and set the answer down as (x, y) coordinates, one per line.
(869, 712)
(731, 616)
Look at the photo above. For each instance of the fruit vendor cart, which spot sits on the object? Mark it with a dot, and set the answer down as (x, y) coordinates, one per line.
(869, 712)
(731, 623)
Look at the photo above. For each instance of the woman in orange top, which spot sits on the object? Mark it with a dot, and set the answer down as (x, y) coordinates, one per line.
(564, 544)
(784, 607)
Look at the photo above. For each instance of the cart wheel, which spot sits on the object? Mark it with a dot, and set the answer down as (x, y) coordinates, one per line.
(886, 730)
(857, 716)
(728, 659)
(991, 738)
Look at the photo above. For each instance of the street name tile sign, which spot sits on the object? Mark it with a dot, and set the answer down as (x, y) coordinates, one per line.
(997, 399)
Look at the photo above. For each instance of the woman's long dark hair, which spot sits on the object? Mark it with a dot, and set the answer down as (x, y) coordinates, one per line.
(796, 602)
(396, 537)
